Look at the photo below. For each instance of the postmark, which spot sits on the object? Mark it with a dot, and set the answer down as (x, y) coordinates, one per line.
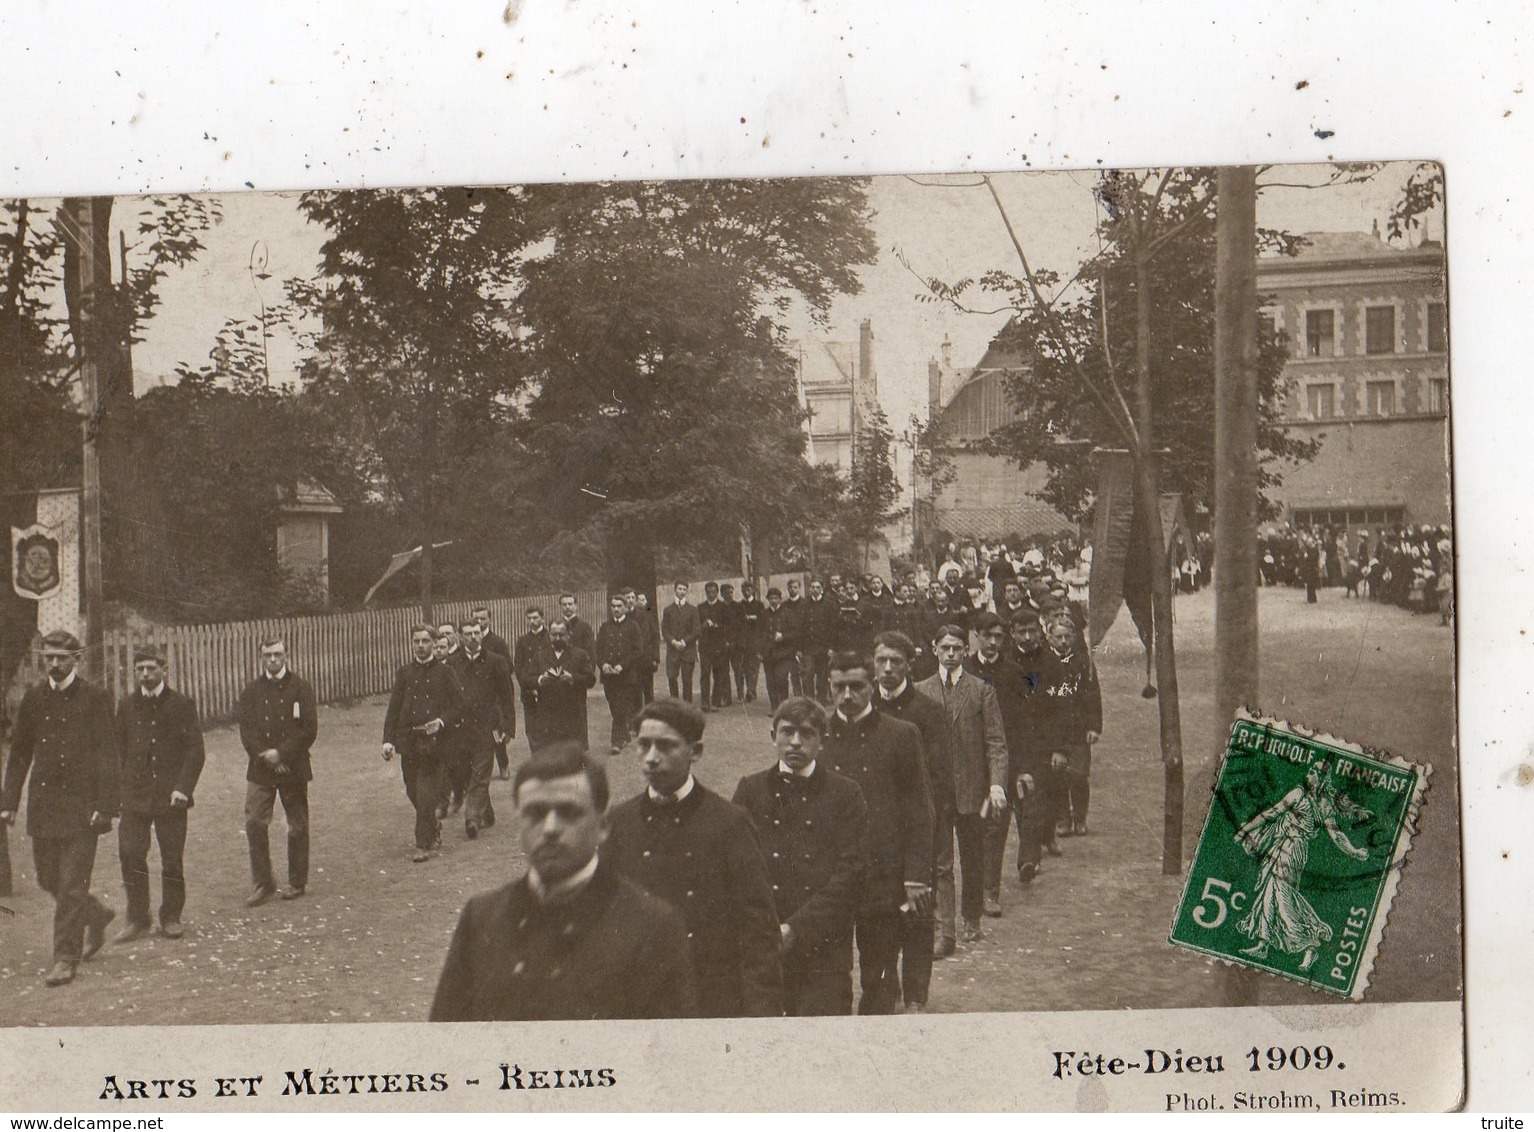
(1300, 856)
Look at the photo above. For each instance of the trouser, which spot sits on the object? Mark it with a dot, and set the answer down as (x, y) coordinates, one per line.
(878, 940)
(133, 854)
(477, 810)
(916, 950)
(1078, 781)
(259, 801)
(970, 833)
(778, 672)
(714, 680)
(679, 668)
(647, 683)
(1034, 814)
(818, 982)
(64, 872)
(423, 786)
(796, 676)
(532, 727)
(624, 702)
(943, 908)
(502, 756)
(745, 661)
(456, 771)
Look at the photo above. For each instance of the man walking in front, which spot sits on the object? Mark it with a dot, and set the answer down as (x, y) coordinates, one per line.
(162, 756)
(494, 643)
(679, 626)
(425, 705)
(713, 649)
(532, 660)
(489, 715)
(278, 723)
(620, 652)
(64, 734)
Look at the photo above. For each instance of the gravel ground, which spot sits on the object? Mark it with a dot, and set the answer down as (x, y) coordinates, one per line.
(367, 941)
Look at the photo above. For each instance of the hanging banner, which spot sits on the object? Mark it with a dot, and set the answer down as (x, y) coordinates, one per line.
(1110, 542)
(35, 557)
(45, 561)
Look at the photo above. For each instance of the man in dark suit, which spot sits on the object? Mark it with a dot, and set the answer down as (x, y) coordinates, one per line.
(747, 659)
(641, 613)
(162, 756)
(686, 845)
(64, 727)
(979, 750)
(820, 614)
(562, 688)
(713, 649)
(894, 654)
(279, 720)
(620, 652)
(424, 708)
(884, 757)
(991, 665)
(496, 644)
(812, 825)
(794, 608)
(582, 636)
(1035, 784)
(679, 625)
(780, 646)
(571, 939)
(489, 716)
(532, 660)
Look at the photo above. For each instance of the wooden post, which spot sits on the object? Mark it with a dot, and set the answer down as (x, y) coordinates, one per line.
(1235, 478)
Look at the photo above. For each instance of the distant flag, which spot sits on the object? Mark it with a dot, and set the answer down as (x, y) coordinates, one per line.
(398, 563)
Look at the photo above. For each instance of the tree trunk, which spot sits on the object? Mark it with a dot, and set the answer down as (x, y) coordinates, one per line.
(1235, 478)
(1148, 497)
(428, 607)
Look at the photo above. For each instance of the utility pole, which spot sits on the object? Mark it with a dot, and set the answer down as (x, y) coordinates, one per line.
(85, 222)
(1235, 478)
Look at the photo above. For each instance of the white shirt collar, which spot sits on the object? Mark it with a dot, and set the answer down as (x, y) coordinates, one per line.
(60, 685)
(681, 792)
(156, 694)
(805, 773)
(950, 678)
(862, 715)
(896, 694)
(567, 887)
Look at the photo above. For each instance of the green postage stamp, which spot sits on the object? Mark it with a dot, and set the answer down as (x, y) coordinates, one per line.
(1299, 858)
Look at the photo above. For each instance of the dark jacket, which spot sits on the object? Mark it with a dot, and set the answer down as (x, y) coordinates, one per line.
(680, 623)
(1015, 696)
(496, 643)
(715, 620)
(280, 714)
(851, 631)
(562, 697)
(610, 951)
(787, 622)
(751, 612)
(423, 692)
(977, 738)
(1028, 756)
(1072, 706)
(582, 636)
(620, 643)
(926, 713)
(819, 624)
(701, 856)
(813, 831)
(883, 756)
(68, 742)
(489, 704)
(161, 747)
(534, 655)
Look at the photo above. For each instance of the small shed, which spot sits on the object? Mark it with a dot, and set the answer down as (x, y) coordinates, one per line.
(303, 537)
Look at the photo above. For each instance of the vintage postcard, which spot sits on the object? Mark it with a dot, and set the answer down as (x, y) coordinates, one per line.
(582, 646)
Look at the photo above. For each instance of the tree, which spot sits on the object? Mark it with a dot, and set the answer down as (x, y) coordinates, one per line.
(872, 495)
(662, 408)
(416, 361)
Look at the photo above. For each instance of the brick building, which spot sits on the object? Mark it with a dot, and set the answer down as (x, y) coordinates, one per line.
(1368, 374)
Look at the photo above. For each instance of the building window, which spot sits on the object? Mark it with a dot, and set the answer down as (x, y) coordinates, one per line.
(1437, 395)
(1381, 398)
(1320, 334)
(1437, 328)
(1380, 330)
(1321, 401)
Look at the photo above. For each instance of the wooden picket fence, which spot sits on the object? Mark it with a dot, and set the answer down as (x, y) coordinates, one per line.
(344, 655)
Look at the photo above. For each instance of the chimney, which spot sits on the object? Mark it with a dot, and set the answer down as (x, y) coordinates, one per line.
(868, 380)
(934, 389)
(947, 352)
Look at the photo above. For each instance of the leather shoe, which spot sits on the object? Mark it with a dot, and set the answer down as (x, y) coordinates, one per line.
(261, 894)
(1052, 847)
(470, 830)
(60, 973)
(171, 929)
(1026, 872)
(421, 855)
(96, 935)
(131, 932)
(992, 907)
(946, 946)
(970, 932)
(292, 892)
(1079, 829)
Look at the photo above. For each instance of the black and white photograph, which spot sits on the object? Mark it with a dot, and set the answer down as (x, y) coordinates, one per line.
(731, 607)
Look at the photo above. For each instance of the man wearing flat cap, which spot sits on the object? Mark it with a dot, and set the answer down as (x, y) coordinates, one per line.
(162, 755)
(64, 736)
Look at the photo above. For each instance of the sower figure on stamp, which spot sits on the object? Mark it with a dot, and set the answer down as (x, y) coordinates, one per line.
(813, 829)
(532, 660)
(883, 756)
(162, 757)
(571, 939)
(64, 736)
(679, 626)
(279, 720)
(688, 846)
(894, 659)
(425, 705)
(489, 720)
